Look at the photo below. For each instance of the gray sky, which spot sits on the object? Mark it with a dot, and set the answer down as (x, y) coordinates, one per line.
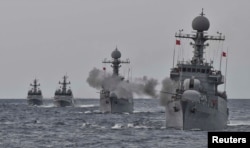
(49, 38)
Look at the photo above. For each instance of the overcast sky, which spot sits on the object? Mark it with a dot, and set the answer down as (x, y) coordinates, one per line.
(47, 39)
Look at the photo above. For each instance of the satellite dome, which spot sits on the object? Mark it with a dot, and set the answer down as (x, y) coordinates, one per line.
(200, 23)
(116, 54)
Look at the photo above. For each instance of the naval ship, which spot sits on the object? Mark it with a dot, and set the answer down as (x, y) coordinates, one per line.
(35, 94)
(64, 96)
(110, 101)
(196, 102)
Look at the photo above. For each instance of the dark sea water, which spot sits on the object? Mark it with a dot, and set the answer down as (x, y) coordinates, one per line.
(23, 126)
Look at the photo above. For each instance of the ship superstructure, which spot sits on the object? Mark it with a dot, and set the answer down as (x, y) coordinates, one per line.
(63, 96)
(197, 102)
(110, 101)
(35, 96)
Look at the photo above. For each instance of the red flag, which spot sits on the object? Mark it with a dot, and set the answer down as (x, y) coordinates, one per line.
(224, 54)
(104, 68)
(178, 42)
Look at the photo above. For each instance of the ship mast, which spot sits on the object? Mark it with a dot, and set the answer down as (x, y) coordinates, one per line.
(64, 84)
(35, 85)
(116, 55)
(200, 24)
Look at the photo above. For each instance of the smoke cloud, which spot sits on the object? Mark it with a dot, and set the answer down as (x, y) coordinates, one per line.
(141, 86)
(168, 86)
(173, 118)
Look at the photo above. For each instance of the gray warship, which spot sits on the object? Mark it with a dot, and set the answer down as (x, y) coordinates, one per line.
(35, 96)
(196, 102)
(64, 96)
(110, 101)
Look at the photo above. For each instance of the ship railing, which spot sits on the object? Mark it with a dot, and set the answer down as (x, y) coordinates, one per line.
(188, 62)
(181, 35)
(206, 37)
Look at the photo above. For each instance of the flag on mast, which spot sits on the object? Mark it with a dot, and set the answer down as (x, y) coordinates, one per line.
(178, 42)
(224, 54)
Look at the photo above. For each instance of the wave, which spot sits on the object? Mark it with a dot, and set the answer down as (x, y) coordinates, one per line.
(86, 105)
(117, 126)
(140, 111)
(129, 125)
(47, 105)
(237, 123)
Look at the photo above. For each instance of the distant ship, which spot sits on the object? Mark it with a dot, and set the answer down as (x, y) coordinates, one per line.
(110, 101)
(35, 94)
(63, 96)
(196, 103)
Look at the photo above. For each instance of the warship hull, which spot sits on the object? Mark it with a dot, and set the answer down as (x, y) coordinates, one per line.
(194, 100)
(63, 101)
(35, 100)
(191, 115)
(109, 105)
(200, 116)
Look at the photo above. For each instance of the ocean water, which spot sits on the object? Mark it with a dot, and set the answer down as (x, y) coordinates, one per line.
(23, 126)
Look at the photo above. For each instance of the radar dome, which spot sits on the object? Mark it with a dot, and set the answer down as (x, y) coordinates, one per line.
(116, 54)
(200, 23)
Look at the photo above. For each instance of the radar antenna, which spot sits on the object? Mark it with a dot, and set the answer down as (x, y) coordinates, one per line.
(202, 14)
(116, 55)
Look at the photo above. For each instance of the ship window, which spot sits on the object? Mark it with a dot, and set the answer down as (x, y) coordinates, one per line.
(107, 102)
(198, 70)
(184, 69)
(203, 70)
(193, 69)
(207, 70)
(189, 69)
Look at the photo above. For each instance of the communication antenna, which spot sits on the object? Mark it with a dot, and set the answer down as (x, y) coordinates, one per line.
(225, 85)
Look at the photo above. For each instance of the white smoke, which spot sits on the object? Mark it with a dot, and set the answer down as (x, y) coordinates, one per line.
(173, 118)
(141, 86)
(168, 88)
(96, 78)
(146, 86)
